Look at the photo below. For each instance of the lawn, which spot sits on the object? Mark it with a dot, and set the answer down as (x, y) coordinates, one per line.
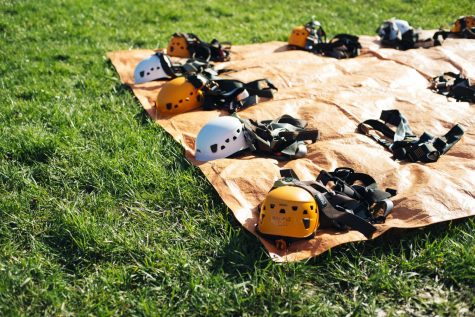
(100, 214)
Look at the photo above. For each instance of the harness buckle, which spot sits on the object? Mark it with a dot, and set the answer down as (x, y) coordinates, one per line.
(425, 152)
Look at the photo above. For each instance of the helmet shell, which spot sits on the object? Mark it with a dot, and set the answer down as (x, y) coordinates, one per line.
(220, 138)
(157, 66)
(289, 211)
(178, 96)
(178, 47)
(299, 36)
(464, 22)
(393, 29)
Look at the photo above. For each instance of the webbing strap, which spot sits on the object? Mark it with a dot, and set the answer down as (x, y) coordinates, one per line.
(233, 95)
(282, 138)
(453, 85)
(404, 144)
(340, 46)
(193, 66)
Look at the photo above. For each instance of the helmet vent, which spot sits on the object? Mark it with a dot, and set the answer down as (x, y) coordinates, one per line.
(282, 211)
(238, 130)
(294, 208)
(234, 138)
(306, 223)
(227, 140)
(311, 207)
(222, 147)
(272, 206)
(180, 101)
(169, 106)
(305, 212)
(264, 208)
(214, 148)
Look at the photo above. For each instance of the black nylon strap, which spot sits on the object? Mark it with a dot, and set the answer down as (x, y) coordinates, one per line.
(166, 63)
(403, 143)
(227, 94)
(454, 85)
(340, 46)
(279, 138)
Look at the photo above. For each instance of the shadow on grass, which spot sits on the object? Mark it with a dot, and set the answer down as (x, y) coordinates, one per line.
(244, 253)
(397, 241)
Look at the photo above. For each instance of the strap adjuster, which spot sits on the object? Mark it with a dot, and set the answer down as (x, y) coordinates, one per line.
(425, 152)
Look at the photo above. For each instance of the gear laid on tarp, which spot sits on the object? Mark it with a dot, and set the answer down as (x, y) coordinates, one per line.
(403, 143)
(159, 66)
(453, 85)
(400, 35)
(283, 138)
(311, 37)
(189, 92)
(231, 94)
(342, 199)
(189, 45)
(335, 95)
(340, 46)
(464, 27)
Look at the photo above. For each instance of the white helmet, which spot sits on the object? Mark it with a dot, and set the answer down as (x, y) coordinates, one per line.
(157, 66)
(393, 29)
(220, 138)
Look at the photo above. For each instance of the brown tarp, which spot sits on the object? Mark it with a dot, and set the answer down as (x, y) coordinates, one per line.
(334, 96)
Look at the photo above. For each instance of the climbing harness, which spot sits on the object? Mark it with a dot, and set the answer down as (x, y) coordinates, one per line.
(189, 45)
(342, 200)
(160, 66)
(403, 143)
(453, 85)
(340, 46)
(283, 138)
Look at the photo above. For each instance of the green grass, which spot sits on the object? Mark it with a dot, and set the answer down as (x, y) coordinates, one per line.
(100, 214)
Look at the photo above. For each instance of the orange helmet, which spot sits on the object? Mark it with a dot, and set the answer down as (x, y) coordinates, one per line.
(288, 212)
(178, 96)
(299, 36)
(178, 46)
(463, 23)
(306, 36)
